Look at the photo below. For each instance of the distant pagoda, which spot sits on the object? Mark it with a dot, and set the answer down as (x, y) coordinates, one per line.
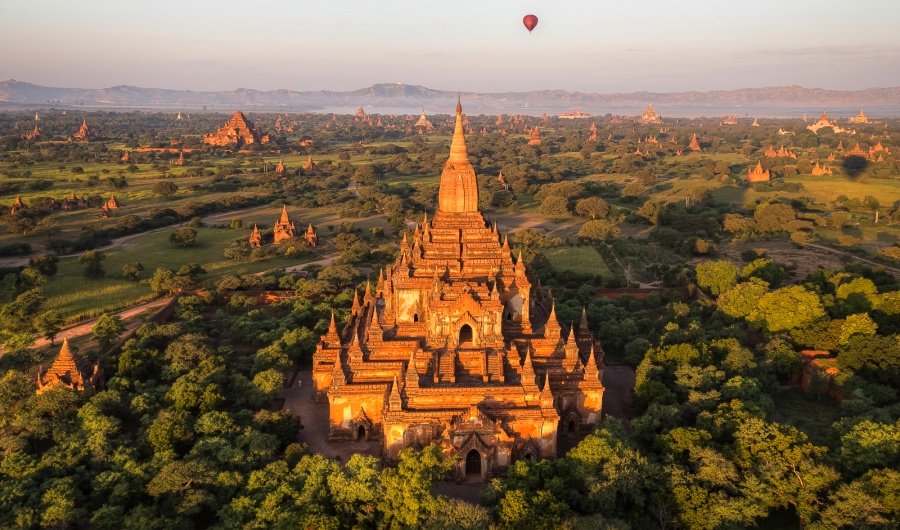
(239, 131)
(758, 174)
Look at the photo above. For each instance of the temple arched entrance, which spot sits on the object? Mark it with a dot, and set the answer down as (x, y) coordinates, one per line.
(361, 434)
(465, 335)
(473, 465)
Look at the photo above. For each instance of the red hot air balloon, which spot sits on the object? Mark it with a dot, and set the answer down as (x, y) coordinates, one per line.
(530, 22)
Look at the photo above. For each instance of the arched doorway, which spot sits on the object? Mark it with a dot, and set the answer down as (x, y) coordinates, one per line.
(473, 464)
(465, 335)
(361, 433)
(571, 428)
(415, 317)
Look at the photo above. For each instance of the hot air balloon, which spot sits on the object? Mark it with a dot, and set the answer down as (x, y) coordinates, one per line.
(530, 22)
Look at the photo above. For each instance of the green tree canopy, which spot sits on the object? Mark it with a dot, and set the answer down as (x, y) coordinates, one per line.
(716, 276)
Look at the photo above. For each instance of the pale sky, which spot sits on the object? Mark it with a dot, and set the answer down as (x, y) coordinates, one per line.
(585, 45)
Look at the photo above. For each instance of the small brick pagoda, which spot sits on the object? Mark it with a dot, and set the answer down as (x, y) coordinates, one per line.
(758, 174)
(284, 227)
(69, 370)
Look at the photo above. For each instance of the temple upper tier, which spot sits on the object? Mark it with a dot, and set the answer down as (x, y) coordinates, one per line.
(459, 188)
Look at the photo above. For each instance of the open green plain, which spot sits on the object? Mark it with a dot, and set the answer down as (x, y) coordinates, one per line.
(578, 260)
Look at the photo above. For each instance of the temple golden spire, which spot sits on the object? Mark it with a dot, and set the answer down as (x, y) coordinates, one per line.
(459, 189)
(458, 151)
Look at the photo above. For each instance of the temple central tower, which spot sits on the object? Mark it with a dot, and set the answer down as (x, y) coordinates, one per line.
(459, 188)
(453, 346)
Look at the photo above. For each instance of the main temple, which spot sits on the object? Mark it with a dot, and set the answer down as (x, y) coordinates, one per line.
(455, 346)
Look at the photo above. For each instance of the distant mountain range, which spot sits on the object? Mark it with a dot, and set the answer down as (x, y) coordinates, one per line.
(398, 95)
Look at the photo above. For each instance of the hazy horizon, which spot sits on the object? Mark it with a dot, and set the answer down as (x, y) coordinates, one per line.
(473, 46)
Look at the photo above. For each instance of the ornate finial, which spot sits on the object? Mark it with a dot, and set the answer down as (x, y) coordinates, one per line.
(590, 369)
(337, 373)
(527, 367)
(395, 403)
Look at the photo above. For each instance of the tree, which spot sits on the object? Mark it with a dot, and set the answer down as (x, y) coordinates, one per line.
(165, 280)
(236, 223)
(47, 226)
(344, 241)
(106, 330)
(192, 270)
(860, 323)
(269, 382)
(875, 355)
(766, 270)
(786, 309)
(183, 237)
(17, 316)
(339, 275)
(365, 175)
(407, 499)
(46, 264)
(19, 222)
(131, 271)
(592, 207)
(716, 276)
(871, 445)
(599, 230)
(784, 467)
(165, 188)
(735, 222)
(775, 217)
(742, 299)
(93, 268)
(555, 207)
(48, 324)
(651, 211)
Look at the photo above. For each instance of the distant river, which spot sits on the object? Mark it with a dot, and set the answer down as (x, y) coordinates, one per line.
(665, 112)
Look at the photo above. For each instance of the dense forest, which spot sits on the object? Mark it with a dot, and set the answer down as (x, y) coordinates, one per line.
(766, 387)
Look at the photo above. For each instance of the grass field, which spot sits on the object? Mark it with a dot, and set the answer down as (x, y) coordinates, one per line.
(579, 260)
(79, 298)
(138, 198)
(822, 189)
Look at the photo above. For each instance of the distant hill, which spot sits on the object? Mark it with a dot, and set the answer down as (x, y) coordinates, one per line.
(15, 93)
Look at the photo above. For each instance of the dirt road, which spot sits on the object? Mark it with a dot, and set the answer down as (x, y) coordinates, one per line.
(84, 328)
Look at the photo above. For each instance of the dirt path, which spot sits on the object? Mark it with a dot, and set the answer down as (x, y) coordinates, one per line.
(220, 216)
(892, 270)
(805, 259)
(84, 328)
